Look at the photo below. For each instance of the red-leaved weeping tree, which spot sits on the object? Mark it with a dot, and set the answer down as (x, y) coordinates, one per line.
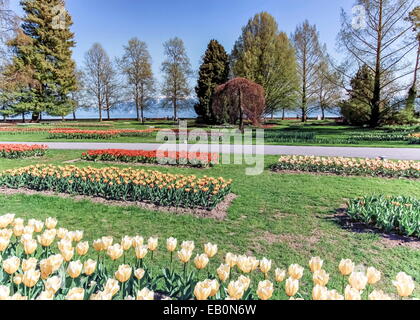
(236, 99)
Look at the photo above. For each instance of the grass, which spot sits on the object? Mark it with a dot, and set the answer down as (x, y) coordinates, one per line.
(328, 132)
(283, 217)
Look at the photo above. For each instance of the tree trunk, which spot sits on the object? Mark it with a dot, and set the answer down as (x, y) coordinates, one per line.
(283, 116)
(23, 117)
(36, 116)
(74, 114)
(323, 113)
(241, 113)
(175, 110)
(108, 114)
(100, 113)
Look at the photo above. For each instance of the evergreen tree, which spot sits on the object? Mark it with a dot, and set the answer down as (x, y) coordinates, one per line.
(266, 56)
(214, 71)
(48, 55)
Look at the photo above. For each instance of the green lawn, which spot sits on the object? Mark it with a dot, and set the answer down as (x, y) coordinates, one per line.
(283, 217)
(326, 133)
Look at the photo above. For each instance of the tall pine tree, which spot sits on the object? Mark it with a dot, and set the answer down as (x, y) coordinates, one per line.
(48, 54)
(213, 71)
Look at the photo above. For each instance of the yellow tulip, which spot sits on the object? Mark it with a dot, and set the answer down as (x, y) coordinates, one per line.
(201, 261)
(246, 282)
(321, 278)
(139, 274)
(188, 245)
(223, 272)
(315, 264)
(18, 230)
(46, 295)
(358, 280)
(6, 233)
(4, 243)
(30, 278)
(184, 255)
(4, 293)
(145, 294)
(67, 254)
(292, 286)
(115, 252)
(379, 295)
(47, 238)
(235, 290)
(214, 285)
(11, 265)
(280, 275)
(141, 252)
(404, 285)
(352, 294)
(210, 249)
(53, 284)
(75, 269)
(373, 275)
(17, 279)
(123, 274)
(76, 294)
(112, 287)
(152, 244)
(296, 271)
(171, 244)
(28, 264)
(334, 295)
(30, 246)
(62, 233)
(138, 241)
(98, 245)
(202, 291)
(126, 243)
(56, 261)
(106, 242)
(319, 293)
(50, 223)
(82, 248)
(64, 245)
(265, 290)
(265, 265)
(346, 267)
(77, 235)
(89, 267)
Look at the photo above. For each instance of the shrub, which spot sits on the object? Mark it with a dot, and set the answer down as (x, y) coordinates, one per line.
(47, 269)
(350, 166)
(391, 214)
(200, 159)
(15, 151)
(121, 185)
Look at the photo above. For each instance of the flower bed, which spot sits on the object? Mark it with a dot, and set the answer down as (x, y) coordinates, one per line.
(200, 159)
(122, 184)
(349, 166)
(391, 214)
(72, 133)
(49, 269)
(15, 151)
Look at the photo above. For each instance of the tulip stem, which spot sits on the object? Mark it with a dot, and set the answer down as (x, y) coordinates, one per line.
(11, 284)
(343, 283)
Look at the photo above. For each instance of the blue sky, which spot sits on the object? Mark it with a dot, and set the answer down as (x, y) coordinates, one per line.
(113, 22)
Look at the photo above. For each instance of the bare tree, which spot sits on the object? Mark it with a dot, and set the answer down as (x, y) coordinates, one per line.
(414, 18)
(94, 74)
(176, 69)
(112, 87)
(379, 42)
(8, 26)
(328, 92)
(308, 55)
(136, 66)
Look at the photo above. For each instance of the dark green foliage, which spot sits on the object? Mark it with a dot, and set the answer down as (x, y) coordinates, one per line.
(214, 71)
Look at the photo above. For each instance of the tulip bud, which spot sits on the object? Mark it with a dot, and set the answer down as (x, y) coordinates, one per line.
(61, 233)
(152, 244)
(334, 295)
(115, 252)
(139, 274)
(46, 295)
(138, 241)
(315, 264)
(4, 243)
(112, 287)
(404, 285)
(265, 265)
(126, 243)
(373, 275)
(171, 244)
(53, 284)
(106, 242)
(296, 271)
(235, 290)
(292, 286)
(246, 282)
(30, 246)
(210, 249)
(379, 295)
(280, 275)
(50, 223)
(321, 278)
(202, 291)
(98, 245)
(319, 293)
(17, 279)
(188, 245)
(28, 264)
(141, 252)
(67, 254)
(352, 294)
(30, 278)
(346, 267)
(184, 255)
(231, 259)
(358, 280)
(223, 272)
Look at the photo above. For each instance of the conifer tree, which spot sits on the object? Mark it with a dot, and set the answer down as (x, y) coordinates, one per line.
(48, 54)
(214, 71)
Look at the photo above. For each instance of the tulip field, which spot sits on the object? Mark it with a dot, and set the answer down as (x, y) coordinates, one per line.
(281, 239)
(43, 261)
(14, 151)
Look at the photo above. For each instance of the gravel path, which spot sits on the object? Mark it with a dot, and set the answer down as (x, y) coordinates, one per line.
(360, 152)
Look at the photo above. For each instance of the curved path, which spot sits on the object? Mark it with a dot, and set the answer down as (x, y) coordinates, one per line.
(360, 152)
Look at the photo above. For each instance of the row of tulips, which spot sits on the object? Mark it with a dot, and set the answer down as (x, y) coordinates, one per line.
(349, 166)
(195, 159)
(391, 214)
(15, 151)
(40, 261)
(73, 133)
(125, 184)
